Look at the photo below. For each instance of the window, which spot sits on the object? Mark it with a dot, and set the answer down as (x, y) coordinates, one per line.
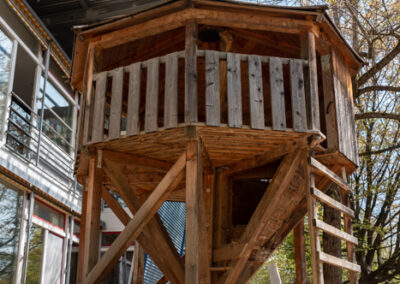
(11, 201)
(49, 214)
(35, 258)
(58, 115)
(5, 68)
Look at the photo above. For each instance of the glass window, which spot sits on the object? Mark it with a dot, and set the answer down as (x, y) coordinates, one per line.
(5, 68)
(11, 202)
(49, 214)
(53, 260)
(35, 256)
(58, 115)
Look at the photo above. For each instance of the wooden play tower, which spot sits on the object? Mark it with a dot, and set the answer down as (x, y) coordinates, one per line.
(243, 112)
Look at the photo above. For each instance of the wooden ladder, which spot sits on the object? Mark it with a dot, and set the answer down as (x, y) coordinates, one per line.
(315, 225)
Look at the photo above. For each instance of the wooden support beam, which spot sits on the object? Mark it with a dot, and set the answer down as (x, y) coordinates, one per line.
(221, 217)
(115, 206)
(138, 264)
(80, 275)
(266, 157)
(129, 159)
(196, 258)
(155, 239)
(274, 192)
(137, 224)
(92, 210)
(300, 253)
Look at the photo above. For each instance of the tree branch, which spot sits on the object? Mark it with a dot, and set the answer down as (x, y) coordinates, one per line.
(380, 65)
(367, 115)
(378, 88)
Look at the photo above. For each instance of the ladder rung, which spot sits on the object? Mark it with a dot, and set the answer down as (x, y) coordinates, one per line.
(333, 260)
(331, 202)
(335, 231)
(322, 169)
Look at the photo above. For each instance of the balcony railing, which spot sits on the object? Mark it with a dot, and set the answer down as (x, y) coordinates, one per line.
(54, 150)
(234, 90)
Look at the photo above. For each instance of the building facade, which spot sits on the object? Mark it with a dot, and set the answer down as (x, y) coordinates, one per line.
(39, 196)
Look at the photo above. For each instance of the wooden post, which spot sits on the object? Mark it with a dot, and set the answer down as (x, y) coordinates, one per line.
(89, 253)
(299, 253)
(196, 258)
(138, 264)
(191, 72)
(311, 80)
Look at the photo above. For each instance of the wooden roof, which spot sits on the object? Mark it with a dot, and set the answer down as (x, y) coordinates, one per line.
(173, 14)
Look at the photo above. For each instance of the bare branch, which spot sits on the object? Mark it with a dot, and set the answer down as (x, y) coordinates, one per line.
(383, 115)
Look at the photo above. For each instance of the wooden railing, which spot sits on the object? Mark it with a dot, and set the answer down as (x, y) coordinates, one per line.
(234, 89)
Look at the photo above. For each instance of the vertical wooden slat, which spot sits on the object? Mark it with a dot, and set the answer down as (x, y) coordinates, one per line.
(116, 103)
(277, 94)
(171, 91)
(132, 123)
(98, 108)
(256, 93)
(87, 97)
(311, 80)
(138, 264)
(234, 90)
(151, 114)
(213, 108)
(300, 253)
(299, 112)
(191, 113)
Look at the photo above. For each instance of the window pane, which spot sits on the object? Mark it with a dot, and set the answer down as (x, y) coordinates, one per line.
(54, 253)
(10, 219)
(35, 255)
(49, 214)
(5, 67)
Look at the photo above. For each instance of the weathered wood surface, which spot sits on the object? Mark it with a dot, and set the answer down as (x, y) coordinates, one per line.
(299, 114)
(99, 107)
(277, 94)
(132, 123)
(191, 113)
(116, 103)
(256, 93)
(234, 90)
(171, 92)
(151, 113)
(213, 109)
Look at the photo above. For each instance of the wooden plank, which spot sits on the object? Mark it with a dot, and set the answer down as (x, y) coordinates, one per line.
(88, 95)
(213, 108)
(196, 257)
(315, 244)
(329, 102)
(333, 260)
(137, 224)
(116, 103)
(277, 94)
(335, 231)
(191, 113)
(256, 93)
(265, 157)
(80, 273)
(325, 171)
(300, 253)
(92, 217)
(331, 202)
(274, 192)
(221, 209)
(299, 112)
(138, 264)
(129, 159)
(311, 80)
(227, 253)
(171, 91)
(99, 107)
(155, 239)
(132, 121)
(234, 90)
(152, 84)
(115, 206)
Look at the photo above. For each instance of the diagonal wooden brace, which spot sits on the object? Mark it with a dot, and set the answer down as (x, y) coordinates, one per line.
(138, 223)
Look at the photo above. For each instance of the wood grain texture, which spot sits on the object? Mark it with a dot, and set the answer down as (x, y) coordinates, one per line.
(132, 121)
(116, 103)
(152, 85)
(234, 90)
(257, 120)
(191, 112)
(171, 92)
(277, 94)
(213, 108)
(99, 107)
(299, 112)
